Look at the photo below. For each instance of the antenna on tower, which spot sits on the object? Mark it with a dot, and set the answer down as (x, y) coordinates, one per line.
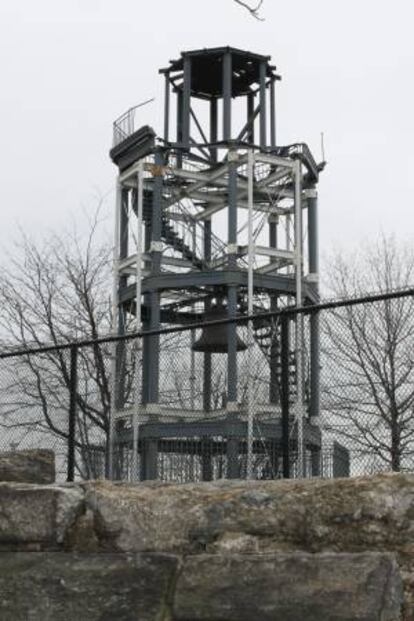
(323, 146)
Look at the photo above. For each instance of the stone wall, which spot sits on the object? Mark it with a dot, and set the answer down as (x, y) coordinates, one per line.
(231, 550)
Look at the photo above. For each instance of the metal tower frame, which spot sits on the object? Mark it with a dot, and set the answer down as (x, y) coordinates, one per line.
(174, 197)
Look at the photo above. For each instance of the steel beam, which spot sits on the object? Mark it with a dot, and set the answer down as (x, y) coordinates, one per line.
(276, 160)
(251, 117)
(299, 336)
(263, 105)
(227, 95)
(272, 113)
(115, 317)
(250, 332)
(314, 318)
(288, 255)
(179, 127)
(167, 108)
(146, 322)
(282, 283)
(285, 396)
(207, 357)
(138, 325)
(213, 127)
(154, 294)
(232, 290)
(233, 450)
(274, 388)
(221, 428)
(186, 110)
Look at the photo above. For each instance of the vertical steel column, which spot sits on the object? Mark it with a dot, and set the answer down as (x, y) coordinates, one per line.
(316, 462)
(207, 367)
(232, 351)
(73, 384)
(138, 350)
(150, 452)
(274, 393)
(149, 470)
(272, 113)
(227, 94)
(312, 200)
(232, 289)
(167, 108)
(156, 251)
(206, 457)
(273, 222)
(250, 118)
(153, 357)
(289, 238)
(186, 109)
(233, 450)
(179, 128)
(284, 361)
(232, 406)
(250, 338)
(193, 334)
(115, 298)
(213, 127)
(124, 222)
(123, 280)
(299, 320)
(146, 323)
(207, 357)
(263, 105)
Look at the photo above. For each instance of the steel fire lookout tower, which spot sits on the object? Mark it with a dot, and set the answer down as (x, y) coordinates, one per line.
(211, 219)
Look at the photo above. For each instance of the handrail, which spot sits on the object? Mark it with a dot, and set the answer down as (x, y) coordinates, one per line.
(124, 125)
(302, 151)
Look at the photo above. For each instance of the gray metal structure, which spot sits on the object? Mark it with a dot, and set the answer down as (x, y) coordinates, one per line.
(213, 214)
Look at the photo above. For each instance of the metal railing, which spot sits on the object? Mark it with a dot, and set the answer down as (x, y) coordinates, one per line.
(125, 125)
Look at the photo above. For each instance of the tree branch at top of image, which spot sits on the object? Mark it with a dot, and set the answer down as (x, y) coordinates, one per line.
(253, 10)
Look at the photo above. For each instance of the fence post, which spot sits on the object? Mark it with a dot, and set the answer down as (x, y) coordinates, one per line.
(73, 388)
(284, 362)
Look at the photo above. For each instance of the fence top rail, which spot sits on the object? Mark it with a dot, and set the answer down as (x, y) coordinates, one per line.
(240, 319)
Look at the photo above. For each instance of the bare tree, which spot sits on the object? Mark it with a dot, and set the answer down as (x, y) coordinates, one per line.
(53, 293)
(368, 356)
(253, 10)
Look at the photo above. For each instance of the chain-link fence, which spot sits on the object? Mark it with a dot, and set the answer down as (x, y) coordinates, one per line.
(321, 391)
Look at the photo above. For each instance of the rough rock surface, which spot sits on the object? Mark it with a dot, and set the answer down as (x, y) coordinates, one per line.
(37, 517)
(315, 515)
(84, 587)
(28, 466)
(59, 586)
(342, 515)
(373, 514)
(289, 587)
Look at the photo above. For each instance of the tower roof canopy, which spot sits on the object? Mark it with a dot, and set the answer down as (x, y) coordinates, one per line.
(207, 71)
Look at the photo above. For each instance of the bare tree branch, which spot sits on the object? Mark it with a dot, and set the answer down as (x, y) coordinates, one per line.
(368, 365)
(51, 293)
(254, 11)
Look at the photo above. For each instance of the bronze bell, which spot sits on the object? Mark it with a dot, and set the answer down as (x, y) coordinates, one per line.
(213, 339)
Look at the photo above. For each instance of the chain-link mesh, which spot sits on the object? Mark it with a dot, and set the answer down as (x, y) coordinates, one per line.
(352, 414)
(34, 403)
(367, 383)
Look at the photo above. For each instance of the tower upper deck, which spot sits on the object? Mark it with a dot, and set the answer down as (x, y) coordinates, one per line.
(207, 71)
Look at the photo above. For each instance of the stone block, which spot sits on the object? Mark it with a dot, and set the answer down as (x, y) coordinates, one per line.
(37, 517)
(372, 513)
(28, 466)
(289, 587)
(59, 586)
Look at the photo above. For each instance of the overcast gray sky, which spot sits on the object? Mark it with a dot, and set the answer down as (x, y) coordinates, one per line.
(69, 67)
